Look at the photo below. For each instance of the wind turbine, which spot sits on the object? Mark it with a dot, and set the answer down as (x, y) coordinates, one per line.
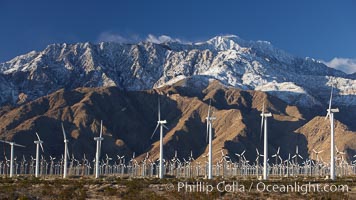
(160, 124)
(296, 155)
(191, 158)
(277, 156)
(339, 153)
(330, 114)
(241, 155)
(98, 149)
(209, 120)
(12, 144)
(66, 153)
(38, 144)
(265, 145)
(317, 154)
(257, 161)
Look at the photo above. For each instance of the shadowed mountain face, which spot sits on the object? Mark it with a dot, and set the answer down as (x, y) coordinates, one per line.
(129, 118)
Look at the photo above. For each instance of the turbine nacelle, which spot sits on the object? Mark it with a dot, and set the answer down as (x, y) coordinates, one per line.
(162, 122)
(266, 114)
(98, 138)
(333, 110)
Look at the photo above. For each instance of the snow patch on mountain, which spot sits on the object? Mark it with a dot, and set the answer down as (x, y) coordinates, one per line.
(254, 65)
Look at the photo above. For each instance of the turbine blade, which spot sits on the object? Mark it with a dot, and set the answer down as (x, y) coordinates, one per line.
(101, 128)
(207, 130)
(327, 115)
(159, 110)
(208, 121)
(5, 141)
(331, 96)
(18, 145)
(262, 121)
(68, 150)
(164, 126)
(209, 108)
(41, 147)
(155, 130)
(64, 133)
(300, 156)
(38, 137)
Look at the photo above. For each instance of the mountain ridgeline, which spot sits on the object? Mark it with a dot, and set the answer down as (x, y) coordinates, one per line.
(248, 65)
(81, 84)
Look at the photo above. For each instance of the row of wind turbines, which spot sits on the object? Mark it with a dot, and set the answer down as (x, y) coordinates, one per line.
(224, 166)
(209, 131)
(264, 128)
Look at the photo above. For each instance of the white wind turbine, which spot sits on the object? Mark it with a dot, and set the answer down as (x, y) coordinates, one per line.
(296, 155)
(241, 156)
(38, 144)
(98, 149)
(339, 153)
(265, 144)
(66, 153)
(12, 144)
(277, 156)
(257, 162)
(160, 124)
(317, 154)
(330, 114)
(209, 120)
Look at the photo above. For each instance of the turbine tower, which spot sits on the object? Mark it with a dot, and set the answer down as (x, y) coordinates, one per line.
(160, 124)
(209, 131)
(38, 144)
(12, 144)
(330, 114)
(98, 149)
(66, 153)
(265, 144)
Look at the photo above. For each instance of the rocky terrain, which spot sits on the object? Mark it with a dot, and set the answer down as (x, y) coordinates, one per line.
(129, 118)
(248, 65)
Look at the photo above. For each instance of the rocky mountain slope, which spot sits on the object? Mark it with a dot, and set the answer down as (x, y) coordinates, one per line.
(130, 117)
(248, 65)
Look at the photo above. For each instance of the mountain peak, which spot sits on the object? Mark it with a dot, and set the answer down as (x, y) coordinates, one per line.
(254, 65)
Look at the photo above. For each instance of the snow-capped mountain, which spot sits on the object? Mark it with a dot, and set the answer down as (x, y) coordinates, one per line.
(255, 65)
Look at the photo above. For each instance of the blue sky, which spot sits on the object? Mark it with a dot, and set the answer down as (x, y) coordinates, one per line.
(320, 29)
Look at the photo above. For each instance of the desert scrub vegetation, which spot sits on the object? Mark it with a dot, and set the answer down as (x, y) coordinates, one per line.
(28, 187)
